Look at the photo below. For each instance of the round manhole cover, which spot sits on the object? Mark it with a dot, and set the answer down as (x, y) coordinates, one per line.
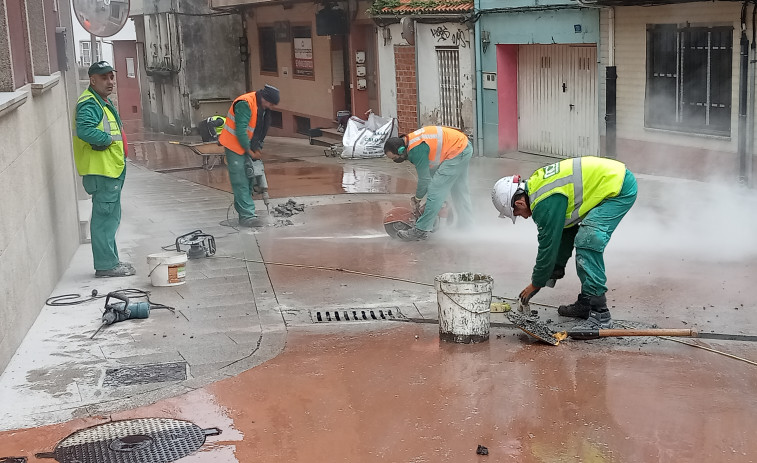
(146, 440)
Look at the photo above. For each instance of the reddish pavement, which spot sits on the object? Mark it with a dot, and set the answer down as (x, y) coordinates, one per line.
(393, 392)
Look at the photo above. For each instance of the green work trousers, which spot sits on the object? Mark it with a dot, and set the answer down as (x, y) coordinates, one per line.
(106, 216)
(591, 236)
(241, 185)
(450, 178)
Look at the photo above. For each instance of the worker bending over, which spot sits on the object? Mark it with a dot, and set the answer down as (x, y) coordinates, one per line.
(441, 156)
(575, 202)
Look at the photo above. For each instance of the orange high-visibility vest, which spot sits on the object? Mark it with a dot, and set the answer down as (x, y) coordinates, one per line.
(444, 142)
(228, 137)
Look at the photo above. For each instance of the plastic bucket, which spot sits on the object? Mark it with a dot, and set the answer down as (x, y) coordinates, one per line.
(464, 301)
(167, 268)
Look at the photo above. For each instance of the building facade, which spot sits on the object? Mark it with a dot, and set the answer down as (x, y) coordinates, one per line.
(39, 229)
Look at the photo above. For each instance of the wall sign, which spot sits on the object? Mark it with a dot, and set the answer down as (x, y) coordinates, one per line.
(303, 52)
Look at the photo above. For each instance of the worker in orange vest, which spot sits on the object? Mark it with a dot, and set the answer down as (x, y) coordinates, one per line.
(242, 136)
(441, 156)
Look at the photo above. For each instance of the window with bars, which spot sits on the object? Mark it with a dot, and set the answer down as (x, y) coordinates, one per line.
(689, 78)
(448, 62)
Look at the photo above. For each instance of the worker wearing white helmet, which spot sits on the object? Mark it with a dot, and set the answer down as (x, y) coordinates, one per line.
(575, 202)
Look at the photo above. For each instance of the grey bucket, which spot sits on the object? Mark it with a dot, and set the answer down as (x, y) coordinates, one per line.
(464, 301)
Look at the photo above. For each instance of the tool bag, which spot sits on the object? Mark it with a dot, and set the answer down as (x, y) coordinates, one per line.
(365, 139)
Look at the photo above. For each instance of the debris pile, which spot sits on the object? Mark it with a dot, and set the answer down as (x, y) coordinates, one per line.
(288, 209)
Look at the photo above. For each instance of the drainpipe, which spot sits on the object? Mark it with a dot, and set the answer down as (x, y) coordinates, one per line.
(479, 146)
(751, 108)
(474, 87)
(743, 90)
(611, 91)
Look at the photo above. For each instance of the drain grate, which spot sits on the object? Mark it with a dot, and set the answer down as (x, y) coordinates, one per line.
(361, 315)
(145, 374)
(12, 459)
(146, 440)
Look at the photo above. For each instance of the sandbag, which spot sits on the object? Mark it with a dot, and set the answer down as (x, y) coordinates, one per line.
(365, 139)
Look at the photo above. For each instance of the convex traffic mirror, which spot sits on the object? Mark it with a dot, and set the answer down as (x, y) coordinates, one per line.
(102, 18)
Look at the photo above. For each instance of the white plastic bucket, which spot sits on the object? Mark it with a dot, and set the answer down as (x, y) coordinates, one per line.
(167, 268)
(464, 301)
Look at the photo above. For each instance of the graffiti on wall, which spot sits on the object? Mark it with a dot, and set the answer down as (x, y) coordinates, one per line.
(459, 38)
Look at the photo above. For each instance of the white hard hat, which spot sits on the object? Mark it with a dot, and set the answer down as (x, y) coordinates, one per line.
(503, 192)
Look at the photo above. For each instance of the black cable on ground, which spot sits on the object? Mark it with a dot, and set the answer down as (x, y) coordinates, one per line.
(71, 299)
(133, 293)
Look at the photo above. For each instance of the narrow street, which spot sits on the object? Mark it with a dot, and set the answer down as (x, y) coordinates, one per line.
(289, 388)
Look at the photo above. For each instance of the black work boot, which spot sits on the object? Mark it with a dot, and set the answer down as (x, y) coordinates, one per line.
(578, 309)
(599, 315)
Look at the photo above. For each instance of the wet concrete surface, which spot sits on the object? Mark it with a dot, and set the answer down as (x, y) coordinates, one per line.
(376, 392)
(290, 171)
(368, 393)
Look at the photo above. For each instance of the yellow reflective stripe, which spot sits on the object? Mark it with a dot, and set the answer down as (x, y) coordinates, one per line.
(576, 178)
(578, 192)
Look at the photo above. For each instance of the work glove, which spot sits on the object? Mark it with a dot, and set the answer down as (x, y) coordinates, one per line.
(416, 205)
(100, 147)
(557, 273)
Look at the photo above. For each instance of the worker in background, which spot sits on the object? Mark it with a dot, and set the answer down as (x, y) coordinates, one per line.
(441, 156)
(100, 155)
(211, 128)
(575, 202)
(246, 126)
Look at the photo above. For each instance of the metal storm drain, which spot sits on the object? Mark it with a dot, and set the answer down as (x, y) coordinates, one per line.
(346, 315)
(145, 440)
(145, 374)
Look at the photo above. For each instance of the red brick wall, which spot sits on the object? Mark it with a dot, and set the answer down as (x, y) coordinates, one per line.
(407, 90)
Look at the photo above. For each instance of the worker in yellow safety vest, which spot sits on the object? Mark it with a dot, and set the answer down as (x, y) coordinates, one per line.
(575, 203)
(441, 156)
(242, 136)
(100, 155)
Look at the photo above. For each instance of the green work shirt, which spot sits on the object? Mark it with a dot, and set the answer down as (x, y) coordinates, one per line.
(88, 117)
(419, 157)
(549, 217)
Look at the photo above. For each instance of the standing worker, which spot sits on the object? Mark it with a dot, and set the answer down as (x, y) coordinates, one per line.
(211, 128)
(575, 202)
(100, 156)
(246, 126)
(441, 156)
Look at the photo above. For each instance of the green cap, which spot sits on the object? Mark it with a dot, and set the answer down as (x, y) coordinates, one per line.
(100, 67)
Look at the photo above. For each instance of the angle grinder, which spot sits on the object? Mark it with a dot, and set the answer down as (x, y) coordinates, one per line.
(119, 311)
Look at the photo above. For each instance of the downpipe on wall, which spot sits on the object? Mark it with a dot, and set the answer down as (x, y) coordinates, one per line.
(743, 91)
(478, 80)
(751, 108)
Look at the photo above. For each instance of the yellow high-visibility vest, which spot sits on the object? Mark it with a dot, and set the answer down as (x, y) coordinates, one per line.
(586, 181)
(109, 162)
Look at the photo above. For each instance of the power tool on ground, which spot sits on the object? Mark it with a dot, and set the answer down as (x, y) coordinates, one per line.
(120, 311)
(200, 244)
